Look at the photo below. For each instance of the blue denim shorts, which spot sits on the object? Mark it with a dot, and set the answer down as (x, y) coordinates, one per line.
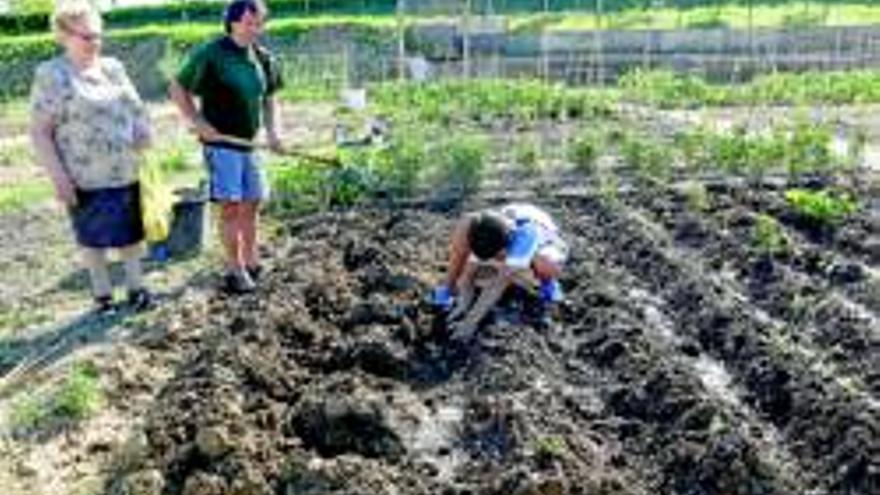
(235, 175)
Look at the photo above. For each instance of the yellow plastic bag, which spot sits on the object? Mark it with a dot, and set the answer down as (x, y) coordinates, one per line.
(157, 202)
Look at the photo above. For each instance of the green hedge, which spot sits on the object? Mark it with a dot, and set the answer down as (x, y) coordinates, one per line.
(202, 10)
(199, 10)
(150, 52)
(15, 24)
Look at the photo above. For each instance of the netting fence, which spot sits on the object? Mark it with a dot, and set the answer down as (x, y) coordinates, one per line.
(577, 42)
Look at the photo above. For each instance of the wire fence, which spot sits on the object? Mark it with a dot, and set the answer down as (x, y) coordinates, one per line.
(437, 39)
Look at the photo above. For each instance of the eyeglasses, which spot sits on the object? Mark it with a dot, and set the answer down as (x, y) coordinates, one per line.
(87, 37)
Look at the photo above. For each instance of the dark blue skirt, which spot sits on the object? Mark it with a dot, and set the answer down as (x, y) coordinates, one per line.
(108, 218)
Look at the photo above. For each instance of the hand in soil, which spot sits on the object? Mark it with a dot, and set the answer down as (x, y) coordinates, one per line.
(463, 330)
(462, 303)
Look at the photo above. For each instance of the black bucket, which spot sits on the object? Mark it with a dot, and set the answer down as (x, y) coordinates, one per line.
(188, 226)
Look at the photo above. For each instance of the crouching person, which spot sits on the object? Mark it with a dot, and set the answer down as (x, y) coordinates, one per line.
(518, 244)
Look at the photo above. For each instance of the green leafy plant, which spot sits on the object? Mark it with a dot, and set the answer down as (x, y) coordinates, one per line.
(730, 151)
(809, 147)
(796, 148)
(609, 188)
(463, 162)
(347, 185)
(527, 156)
(400, 166)
(76, 398)
(551, 447)
(768, 236)
(668, 89)
(822, 207)
(80, 394)
(297, 186)
(28, 413)
(693, 148)
(696, 196)
(585, 150)
(649, 158)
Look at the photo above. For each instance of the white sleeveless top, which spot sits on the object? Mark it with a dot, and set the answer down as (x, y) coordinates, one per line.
(548, 231)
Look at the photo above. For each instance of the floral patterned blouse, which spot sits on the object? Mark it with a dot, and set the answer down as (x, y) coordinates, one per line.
(98, 117)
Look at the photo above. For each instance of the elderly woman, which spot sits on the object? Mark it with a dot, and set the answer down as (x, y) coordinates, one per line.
(88, 126)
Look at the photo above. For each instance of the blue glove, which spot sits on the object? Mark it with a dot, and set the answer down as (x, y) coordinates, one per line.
(441, 297)
(550, 291)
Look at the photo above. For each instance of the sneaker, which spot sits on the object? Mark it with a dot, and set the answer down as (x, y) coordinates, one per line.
(104, 305)
(238, 283)
(255, 272)
(141, 300)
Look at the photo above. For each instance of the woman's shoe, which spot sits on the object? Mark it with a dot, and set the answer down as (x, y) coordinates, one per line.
(141, 300)
(104, 305)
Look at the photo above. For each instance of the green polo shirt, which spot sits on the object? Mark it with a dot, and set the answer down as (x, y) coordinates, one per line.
(232, 82)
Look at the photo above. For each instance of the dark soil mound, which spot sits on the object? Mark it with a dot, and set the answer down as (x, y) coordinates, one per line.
(673, 367)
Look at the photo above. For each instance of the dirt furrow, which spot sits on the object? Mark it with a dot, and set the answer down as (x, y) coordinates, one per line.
(832, 430)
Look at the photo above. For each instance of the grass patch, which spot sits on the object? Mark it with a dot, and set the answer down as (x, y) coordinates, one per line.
(768, 236)
(20, 196)
(585, 150)
(16, 155)
(76, 398)
(80, 395)
(15, 111)
(527, 156)
(696, 196)
(16, 318)
(551, 447)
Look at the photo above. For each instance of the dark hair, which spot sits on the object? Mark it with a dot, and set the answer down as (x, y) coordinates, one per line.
(237, 8)
(487, 236)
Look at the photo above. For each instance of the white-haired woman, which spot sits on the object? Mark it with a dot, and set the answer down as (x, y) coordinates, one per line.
(88, 127)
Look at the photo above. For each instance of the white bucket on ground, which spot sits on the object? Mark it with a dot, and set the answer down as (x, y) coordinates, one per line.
(419, 68)
(354, 98)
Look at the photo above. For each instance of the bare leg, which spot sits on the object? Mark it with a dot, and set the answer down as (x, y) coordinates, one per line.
(545, 268)
(459, 250)
(249, 221)
(232, 239)
(95, 261)
(131, 257)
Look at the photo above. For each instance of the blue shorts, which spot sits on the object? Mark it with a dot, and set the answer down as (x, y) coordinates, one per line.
(235, 175)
